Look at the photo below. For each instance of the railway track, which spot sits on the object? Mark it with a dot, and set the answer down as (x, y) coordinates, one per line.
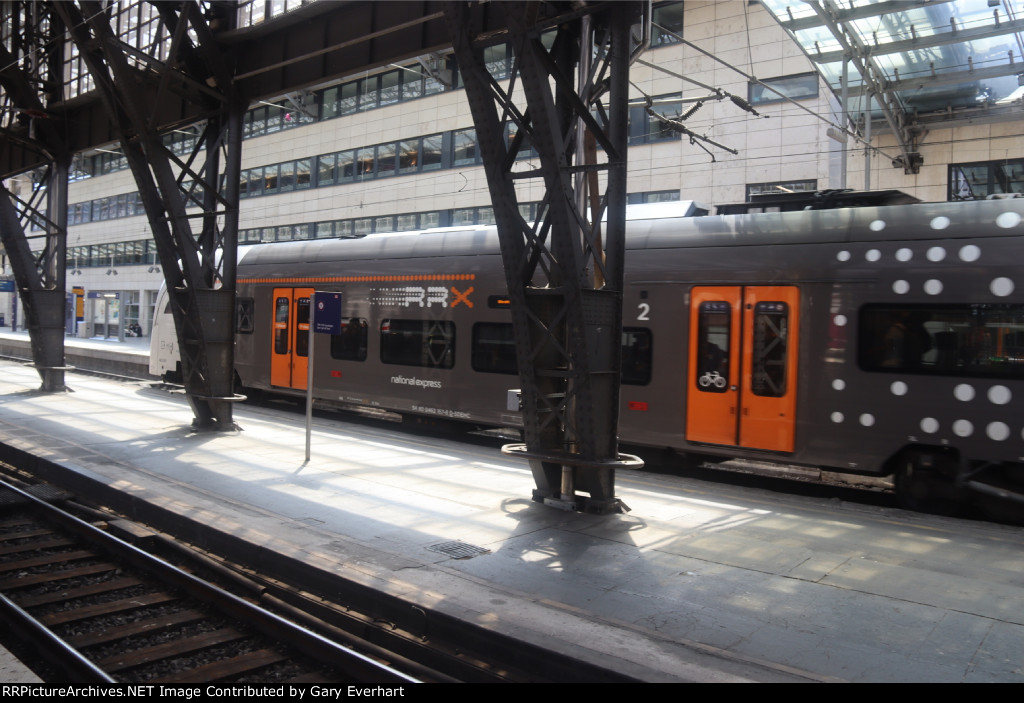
(102, 610)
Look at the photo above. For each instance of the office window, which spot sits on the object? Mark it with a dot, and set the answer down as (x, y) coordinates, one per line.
(302, 174)
(465, 148)
(975, 181)
(389, 88)
(386, 160)
(667, 16)
(432, 152)
(326, 171)
(645, 128)
(779, 187)
(772, 90)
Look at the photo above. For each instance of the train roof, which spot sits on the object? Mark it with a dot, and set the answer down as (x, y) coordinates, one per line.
(967, 220)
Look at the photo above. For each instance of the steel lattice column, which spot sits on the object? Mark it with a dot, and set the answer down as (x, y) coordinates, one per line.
(563, 271)
(199, 267)
(30, 74)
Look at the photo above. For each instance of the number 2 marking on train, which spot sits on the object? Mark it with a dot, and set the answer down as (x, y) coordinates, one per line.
(645, 312)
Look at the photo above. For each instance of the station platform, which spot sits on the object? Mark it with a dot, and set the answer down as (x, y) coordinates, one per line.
(699, 582)
(98, 355)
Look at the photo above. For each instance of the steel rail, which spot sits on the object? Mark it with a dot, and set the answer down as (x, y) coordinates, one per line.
(320, 648)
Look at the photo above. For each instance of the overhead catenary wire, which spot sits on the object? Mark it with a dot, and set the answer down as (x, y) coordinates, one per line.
(841, 128)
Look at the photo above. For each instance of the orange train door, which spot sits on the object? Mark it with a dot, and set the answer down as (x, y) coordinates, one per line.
(741, 374)
(289, 354)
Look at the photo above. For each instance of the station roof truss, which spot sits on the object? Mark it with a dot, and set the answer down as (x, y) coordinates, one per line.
(911, 64)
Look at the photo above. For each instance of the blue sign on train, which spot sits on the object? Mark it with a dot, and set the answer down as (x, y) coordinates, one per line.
(327, 313)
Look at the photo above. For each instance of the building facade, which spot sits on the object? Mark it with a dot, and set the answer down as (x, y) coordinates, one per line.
(395, 149)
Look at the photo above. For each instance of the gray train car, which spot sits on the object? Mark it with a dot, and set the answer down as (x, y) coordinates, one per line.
(873, 340)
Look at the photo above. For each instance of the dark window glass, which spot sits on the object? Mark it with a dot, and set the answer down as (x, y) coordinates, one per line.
(386, 160)
(426, 343)
(259, 121)
(713, 319)
(302, 174)
(636, 356)
(465, 147)
(302, 326)
(270, 178)
(412, 83)
(389, 88)
(408, 156)
(281, 307)
(645, 127)
(368, 93)
(496, 61)
(346, 166)
(349, 100)
(773, 90)
(494, 348)
(981, 339)
(245, 316)
(771, 337)
(669, 16)
(256, 181)
(980, 180)
(432, 146)
(350, 345)
(287, 181)
(326, 169)
(364, 163)
(329, 106)
(494, 351)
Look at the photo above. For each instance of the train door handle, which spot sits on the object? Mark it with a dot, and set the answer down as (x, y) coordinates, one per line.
(732, 388)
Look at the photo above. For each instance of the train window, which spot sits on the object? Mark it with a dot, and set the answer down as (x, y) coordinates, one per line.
(494, 351)
(982, 339)
(350, 345)
(245, 316)
(302, 326)
(636, 356)
(428, 343)
(771, 327)
(281, 309)
(494, 348)
(713, 341)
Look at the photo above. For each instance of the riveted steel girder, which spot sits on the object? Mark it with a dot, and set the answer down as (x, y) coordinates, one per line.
(198, 260)
(563, 271)
(29, 66)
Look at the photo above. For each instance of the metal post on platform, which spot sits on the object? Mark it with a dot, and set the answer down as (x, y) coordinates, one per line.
(309, 381)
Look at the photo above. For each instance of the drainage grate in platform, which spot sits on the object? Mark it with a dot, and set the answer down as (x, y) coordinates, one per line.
(458, 550)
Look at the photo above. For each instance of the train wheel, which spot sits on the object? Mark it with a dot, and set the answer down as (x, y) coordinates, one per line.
(927, 484)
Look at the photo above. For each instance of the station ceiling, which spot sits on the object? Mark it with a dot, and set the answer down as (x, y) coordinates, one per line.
(914, 62)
